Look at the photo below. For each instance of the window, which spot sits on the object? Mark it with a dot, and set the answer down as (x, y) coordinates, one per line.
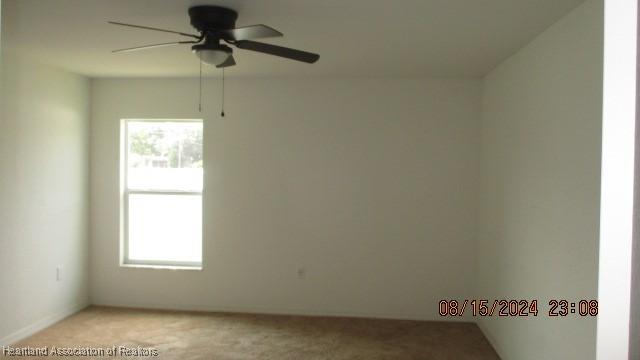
(162, 192)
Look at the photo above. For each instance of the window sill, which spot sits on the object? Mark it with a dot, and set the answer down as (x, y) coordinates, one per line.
(162, 267)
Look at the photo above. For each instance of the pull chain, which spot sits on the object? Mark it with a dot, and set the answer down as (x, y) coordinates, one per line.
(222, 109)
(200, 90)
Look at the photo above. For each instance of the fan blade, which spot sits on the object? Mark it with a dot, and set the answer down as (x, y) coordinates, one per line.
(154, 29)
(144, 47)
(284, 52)
(229, 62)
(250, 32)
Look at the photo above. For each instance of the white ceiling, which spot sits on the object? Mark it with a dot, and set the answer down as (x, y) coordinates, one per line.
(441, 38)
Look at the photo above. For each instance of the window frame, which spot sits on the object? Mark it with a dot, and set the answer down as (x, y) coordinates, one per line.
(125, 193)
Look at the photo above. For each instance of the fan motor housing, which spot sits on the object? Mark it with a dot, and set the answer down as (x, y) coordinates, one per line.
(207, 18)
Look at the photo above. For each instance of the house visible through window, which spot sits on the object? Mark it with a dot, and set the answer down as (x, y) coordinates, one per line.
(162, 194)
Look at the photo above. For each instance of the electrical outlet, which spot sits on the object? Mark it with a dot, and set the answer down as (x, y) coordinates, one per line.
(59, 273)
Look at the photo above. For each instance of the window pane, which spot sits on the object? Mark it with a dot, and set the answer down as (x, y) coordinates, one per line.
(165, 227)
(164, 155)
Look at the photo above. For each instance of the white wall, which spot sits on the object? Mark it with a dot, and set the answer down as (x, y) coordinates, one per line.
(616, 215)
(634, 328)
(541, 136)
(368, 184)
(44, 129)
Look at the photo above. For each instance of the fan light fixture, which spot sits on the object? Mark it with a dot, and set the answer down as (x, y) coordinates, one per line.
(215, 25)
(212, 55)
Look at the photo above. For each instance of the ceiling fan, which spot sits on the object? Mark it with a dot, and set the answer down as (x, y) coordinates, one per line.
(217, 25)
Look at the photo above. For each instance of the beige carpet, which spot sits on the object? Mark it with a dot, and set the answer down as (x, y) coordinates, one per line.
(193, 335)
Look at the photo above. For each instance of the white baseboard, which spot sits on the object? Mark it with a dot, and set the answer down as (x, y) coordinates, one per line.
(39, 325)
(272, 311)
